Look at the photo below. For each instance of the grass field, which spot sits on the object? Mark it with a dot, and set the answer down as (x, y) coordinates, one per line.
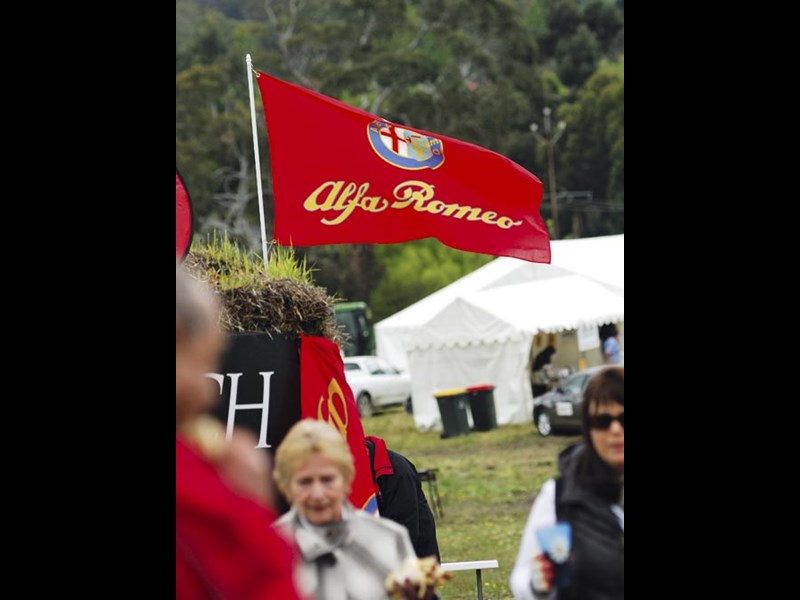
(487, 483)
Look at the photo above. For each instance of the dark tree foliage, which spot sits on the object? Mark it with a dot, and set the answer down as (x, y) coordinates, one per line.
(477, 70)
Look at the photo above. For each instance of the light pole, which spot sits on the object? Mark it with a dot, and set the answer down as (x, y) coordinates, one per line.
(549, 139)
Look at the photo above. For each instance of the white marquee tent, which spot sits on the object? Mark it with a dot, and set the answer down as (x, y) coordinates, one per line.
(480, 328)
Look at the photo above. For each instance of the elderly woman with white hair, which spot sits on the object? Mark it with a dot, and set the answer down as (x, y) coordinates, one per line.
(346, 554)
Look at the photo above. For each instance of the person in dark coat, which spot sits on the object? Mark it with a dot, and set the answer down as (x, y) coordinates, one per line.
(400, 496)
(540, 371)
(589, 496)
(543, 358)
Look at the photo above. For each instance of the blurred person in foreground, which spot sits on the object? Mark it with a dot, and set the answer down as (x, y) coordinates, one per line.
(589, 496)
(347, 554)
(225, 545)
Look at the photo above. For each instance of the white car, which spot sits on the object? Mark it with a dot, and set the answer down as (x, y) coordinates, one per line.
(375, 383)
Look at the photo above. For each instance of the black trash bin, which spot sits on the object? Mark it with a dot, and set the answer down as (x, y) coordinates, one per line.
(481, 404)
(453, 408)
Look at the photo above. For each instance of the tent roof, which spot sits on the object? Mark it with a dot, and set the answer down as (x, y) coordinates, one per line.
(599, 259)
(521, 310)
(553, 304)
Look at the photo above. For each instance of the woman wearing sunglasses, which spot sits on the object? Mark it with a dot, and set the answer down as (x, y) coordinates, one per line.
(588, 495)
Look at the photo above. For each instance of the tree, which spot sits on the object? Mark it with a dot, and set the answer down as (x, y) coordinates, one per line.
(605, 21)
(593, 154)
(416, 269)
(214, 148)
(563, 19)
(577, 56)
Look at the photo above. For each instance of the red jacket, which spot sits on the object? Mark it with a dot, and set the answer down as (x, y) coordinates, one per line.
(225, 546)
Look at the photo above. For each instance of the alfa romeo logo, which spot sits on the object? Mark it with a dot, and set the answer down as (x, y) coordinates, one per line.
(405, 148)
(335, 406)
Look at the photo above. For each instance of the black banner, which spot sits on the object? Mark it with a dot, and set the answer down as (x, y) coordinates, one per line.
(259, 378)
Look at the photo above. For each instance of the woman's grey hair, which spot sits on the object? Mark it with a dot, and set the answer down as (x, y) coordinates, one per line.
(195, 306)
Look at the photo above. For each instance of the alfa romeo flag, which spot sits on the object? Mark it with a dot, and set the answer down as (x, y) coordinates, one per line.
(341, 175)
(325, 395)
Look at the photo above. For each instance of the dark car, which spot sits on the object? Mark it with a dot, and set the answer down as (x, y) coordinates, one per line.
(560, 410)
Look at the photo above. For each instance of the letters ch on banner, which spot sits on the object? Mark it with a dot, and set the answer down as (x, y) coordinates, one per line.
(233, 407)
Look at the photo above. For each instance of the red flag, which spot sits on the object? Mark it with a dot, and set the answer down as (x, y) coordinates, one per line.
(325, 395)
(183, 218)
(341, 175)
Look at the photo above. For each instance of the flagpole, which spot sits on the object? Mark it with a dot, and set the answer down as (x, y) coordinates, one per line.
(264, 247)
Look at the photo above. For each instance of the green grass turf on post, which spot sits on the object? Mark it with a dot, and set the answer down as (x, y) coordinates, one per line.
(280, 298)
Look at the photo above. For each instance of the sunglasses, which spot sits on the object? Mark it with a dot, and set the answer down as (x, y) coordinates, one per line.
(604, 420)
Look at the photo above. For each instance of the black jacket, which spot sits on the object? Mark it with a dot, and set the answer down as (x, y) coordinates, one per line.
(598, 554)
(401, 499)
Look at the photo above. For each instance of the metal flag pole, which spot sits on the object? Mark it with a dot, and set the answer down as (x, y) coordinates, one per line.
(264, 246)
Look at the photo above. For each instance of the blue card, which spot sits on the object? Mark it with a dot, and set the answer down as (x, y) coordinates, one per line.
(555, 541)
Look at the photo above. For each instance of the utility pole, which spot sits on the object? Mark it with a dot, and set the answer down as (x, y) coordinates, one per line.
(549, 139)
